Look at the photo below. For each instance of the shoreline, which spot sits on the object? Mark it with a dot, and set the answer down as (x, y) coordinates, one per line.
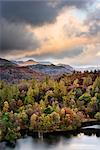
(44, 134)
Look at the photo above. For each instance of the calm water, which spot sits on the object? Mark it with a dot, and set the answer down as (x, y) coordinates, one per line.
(81, 141)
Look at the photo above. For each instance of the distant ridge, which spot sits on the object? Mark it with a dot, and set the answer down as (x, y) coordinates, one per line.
(46, 67)
(32, 62)
(52, 69)
(13, 71)
(6, 63)
(27, 63)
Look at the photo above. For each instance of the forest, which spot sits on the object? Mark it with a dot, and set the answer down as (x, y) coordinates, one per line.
(48, 105)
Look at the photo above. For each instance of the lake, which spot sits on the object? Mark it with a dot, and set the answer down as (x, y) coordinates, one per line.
(87, 139)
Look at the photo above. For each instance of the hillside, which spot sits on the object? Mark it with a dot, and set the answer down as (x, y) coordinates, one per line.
(46, 67)
(13, 72)
(6, 63)
(52, 69)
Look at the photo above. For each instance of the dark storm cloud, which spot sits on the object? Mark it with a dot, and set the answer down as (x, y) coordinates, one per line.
(80, 4)
(16, 37)
(93, 23)
(37, 12)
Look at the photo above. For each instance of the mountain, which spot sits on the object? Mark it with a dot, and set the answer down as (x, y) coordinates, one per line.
(6, 63)
(32, 62)
(27, 63)
(68, 67)
(14, 74)
(46, 67)
(15, 71)
(11, 72)
(52, 69)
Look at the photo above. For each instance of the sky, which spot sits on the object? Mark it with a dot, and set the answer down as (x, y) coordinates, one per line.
(59, 31)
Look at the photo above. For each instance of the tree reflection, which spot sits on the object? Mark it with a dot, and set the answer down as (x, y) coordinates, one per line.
(91, 132)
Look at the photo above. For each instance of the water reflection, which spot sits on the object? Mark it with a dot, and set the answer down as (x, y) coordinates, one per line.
(90, 130)
(87, 139)
(92, 127)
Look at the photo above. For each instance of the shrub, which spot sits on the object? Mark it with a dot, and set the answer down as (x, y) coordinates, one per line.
(97, 115)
